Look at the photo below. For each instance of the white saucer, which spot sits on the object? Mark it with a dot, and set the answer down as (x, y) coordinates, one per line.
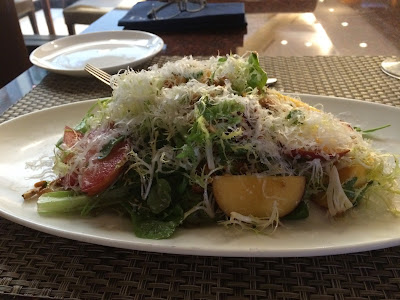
(110, 51)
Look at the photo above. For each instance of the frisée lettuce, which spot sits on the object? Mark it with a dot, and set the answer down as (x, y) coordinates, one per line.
(155, 149)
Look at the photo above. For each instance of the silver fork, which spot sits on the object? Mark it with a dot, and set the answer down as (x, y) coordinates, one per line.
(100, 74)
(106, 78)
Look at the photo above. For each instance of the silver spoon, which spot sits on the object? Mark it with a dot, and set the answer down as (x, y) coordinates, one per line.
(391, 67)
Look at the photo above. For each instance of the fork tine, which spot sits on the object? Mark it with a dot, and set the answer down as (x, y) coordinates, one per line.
(99, 71)
(99, 74)
(95, 72)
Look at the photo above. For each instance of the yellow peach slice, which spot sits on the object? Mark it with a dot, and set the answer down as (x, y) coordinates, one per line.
(255, 194)
(345, 174)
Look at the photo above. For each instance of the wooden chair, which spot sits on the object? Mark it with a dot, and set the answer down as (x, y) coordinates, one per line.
(14, 58)
(88, 11)
(26, 7)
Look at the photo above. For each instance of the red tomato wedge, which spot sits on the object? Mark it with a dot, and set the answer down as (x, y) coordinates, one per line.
(69, 181)
(71, 136)
(104, 172)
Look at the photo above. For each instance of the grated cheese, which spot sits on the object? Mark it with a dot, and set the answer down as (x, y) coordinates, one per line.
(278, 132)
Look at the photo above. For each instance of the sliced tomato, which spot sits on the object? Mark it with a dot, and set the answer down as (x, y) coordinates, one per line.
(71, 136)
(69, 181)
(104, 172)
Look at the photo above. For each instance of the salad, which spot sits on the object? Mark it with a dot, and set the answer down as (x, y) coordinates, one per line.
(205, 141)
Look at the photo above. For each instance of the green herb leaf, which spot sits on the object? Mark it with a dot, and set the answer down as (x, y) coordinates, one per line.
(370, 130)
(152, 229)
(355, 195)
(157, 226)
(195, 75)
(107, 148)
(224, 111)
(362, 193)
(172, 214)
(83, 125)
(59, 142)
(187, 151)
(348, 188)
(182, 185)
(300, 212)
(296, 117)
(257, 77)
(160, 196)
(188, 201)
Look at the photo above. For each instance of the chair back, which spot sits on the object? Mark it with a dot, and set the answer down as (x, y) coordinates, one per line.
(14, 57)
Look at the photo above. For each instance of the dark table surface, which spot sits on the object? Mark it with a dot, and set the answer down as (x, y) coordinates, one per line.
(201, 42)
(42, 265)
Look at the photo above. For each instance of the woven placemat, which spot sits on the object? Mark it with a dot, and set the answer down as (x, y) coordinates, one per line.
(40, 265)
(349, 77)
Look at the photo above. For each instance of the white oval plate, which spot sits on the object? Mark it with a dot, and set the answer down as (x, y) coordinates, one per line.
(28, 138)
(110, 51)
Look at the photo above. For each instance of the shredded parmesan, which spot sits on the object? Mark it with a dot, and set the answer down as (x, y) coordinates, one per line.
(166, 115)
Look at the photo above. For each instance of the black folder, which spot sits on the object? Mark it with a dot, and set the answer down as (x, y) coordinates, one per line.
(214, 16)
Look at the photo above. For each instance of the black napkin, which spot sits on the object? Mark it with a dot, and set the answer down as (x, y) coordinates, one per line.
(213, 16)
